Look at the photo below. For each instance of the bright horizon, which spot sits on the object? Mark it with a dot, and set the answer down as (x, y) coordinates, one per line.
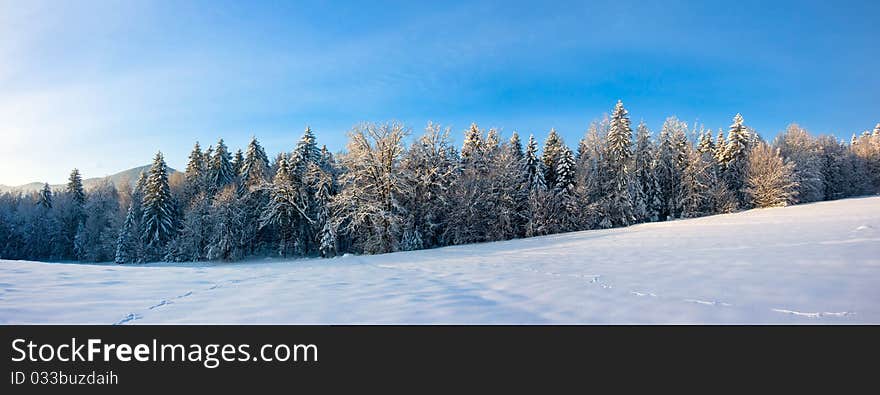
(103, 86)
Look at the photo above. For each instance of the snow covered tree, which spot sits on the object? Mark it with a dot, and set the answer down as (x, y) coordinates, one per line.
(368, 209)
(797, 146)
(735, 160)
(129, 243)
(564, 216)
(705, 144)
(324, 190)
(227, 233)
(646, 195)
(195, 232)
(75, 188)
(255, 169)
(70, 208)
(304, 157)
(617, 202)
(254, 195)
(237, 163)
(771, 181)
(286, 205)
(866, 151)
(159, 211)
(279, 211)
(45, 197)
(429, 172)
(195, 176)
(475, 214)
(95, 240)
(590, 159)
(672, 160)
(538, 193)
(220, 170)
(305, 153)
(694, 197)
(322, 179)
(513, 188)
(550, 156)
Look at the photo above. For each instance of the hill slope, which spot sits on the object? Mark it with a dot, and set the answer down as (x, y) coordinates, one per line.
(816, 263)
(129, 176)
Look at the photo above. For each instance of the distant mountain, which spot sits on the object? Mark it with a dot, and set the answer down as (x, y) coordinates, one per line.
(129, 176)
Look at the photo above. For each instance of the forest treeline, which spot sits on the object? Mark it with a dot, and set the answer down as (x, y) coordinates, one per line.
(381, 196)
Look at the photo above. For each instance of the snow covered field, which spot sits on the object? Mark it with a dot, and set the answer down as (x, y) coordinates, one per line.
(808, 264)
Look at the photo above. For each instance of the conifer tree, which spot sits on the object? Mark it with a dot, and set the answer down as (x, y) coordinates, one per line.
(75, 188)
(705, 144)
(96, 236)
(564, 198)
(221, 172)
(472, 148)
(429, 172)
(538, 213)
(734, 161)
(646, 198)
(195, 177)
(550, 156)
(618, 206)
(284, 206)
(255, 169)
(237, 163)
(159, 213)
(45, 197)
(129, 244)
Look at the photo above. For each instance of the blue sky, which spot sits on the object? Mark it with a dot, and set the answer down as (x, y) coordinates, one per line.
(103, 85)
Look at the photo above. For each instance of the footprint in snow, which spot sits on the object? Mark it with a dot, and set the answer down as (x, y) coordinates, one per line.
(814, 315)
(184, 295)
(160, 304)
(130, 317)
(708, 302)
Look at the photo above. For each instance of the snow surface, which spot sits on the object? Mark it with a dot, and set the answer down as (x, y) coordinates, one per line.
(807, 264)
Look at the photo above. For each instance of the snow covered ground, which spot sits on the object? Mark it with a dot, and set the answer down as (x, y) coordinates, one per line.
(808, 264)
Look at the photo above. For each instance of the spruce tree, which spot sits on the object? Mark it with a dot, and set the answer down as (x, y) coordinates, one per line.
(237, 163)
(646, 198)
(195, 178)
(45, 197)
(284, 206)
(564, 198)
(618, 207)
(75, 188)
(221, 172)
(705, 143)
(735, 159)
(129, 244)
(159, 212)
(255, 169)
(538, 212)
(550, 156)
(472, 149)
(429, 172)
(533, 167)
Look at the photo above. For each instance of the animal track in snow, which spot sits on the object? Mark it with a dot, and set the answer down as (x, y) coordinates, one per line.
(160, 304)
(708, 302)
(816, 314)
(184, 295)
(130, 317)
